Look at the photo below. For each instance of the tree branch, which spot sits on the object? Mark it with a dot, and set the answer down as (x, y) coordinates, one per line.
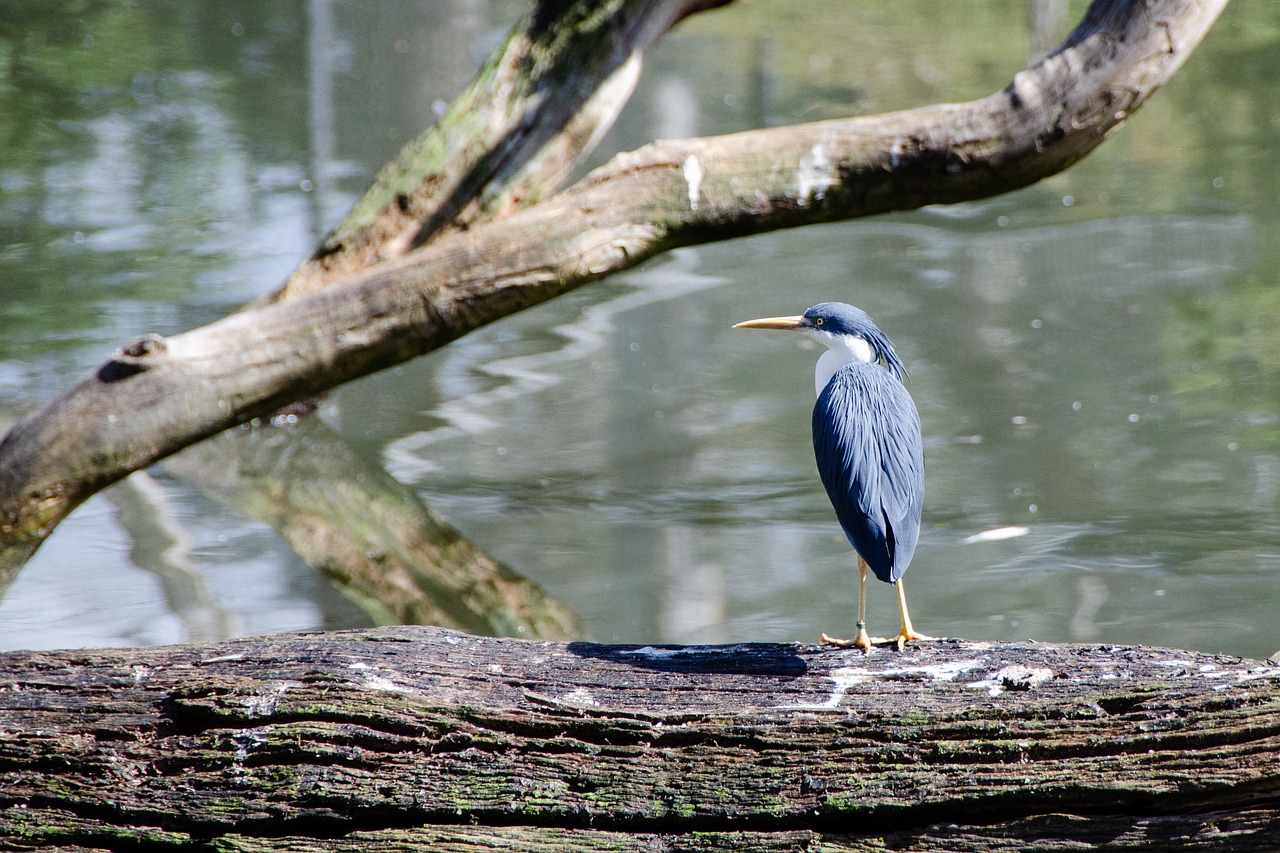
(158, 395)
(540, 105)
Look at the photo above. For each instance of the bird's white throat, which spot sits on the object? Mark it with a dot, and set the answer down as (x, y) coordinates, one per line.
(841, 350)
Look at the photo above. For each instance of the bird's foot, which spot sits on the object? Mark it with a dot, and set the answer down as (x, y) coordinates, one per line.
(908, 634)
(861, 641)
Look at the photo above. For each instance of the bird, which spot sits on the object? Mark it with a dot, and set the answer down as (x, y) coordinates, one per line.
(868, 446)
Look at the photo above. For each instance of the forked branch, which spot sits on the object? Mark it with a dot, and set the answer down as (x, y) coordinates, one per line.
(158, 395)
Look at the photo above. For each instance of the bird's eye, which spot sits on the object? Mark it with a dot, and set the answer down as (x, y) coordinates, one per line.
(817, 321)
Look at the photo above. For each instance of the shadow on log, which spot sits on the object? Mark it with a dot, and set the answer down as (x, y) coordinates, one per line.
(410, 738)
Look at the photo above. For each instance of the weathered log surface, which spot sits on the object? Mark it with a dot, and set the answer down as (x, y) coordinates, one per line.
(411, 738)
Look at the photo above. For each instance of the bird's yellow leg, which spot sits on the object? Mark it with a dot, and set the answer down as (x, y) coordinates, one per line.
(907, 632)
(862, 640)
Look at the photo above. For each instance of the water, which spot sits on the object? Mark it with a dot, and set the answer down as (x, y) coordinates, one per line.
(1095, 358)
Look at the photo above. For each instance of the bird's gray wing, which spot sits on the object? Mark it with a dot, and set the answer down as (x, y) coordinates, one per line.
(866, 439)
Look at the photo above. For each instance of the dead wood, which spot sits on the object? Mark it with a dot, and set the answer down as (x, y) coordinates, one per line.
(423, 739)
(157, 395)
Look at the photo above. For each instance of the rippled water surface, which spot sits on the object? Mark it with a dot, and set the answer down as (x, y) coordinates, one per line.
(1096, 359)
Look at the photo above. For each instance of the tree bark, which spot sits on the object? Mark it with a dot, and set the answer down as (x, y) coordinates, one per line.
(423, 739)
(540, 104)
(157, 395)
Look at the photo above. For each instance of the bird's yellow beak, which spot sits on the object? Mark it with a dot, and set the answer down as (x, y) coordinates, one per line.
(789, 323)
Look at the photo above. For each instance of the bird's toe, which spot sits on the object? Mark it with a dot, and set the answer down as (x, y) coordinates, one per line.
(862, 641)
(907, 635)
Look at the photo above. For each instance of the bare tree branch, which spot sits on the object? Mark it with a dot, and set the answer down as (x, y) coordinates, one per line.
(157, 395)
(539, 105)
(503, 144)
(541, 102)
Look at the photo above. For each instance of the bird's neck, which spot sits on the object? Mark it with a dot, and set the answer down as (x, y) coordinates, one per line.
(841, 350)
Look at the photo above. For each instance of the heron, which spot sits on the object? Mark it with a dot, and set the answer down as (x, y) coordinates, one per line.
(866, 438)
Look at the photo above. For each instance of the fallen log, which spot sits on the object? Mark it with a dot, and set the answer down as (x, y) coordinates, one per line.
(412, 738)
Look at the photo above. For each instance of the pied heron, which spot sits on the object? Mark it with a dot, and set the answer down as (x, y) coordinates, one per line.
(866, 437)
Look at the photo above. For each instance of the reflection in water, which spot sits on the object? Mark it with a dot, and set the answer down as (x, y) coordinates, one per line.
(1094, 358)
(1091, 594)
(483, 381)
(160, 544)
(997, 350)
(367, 533)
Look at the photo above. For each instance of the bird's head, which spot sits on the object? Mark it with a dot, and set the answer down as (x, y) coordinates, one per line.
(842, 327)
